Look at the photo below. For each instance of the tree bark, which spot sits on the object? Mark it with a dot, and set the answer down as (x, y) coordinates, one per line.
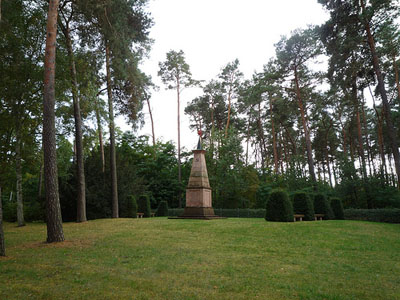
(18, 171)
(81, 196)
(381, 88)
(306, 133)
(179, 139)
(229, 111)
(276, 166)
(103, 161)
(53, 217)
(396, 74)
(113, 159)
(152, 122)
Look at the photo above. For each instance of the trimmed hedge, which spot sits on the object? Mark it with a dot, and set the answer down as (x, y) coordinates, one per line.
(279, 207)
(386, 215)
(337, 207)
(144, 205)
(132, 207)
(303, 205)
(162, 209)
(322, 206)
(227, 212)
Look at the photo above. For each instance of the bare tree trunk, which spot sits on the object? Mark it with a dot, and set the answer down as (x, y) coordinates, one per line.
(2, 243)
(276, 167)
(53, 217)
(383, 169)
(247, 142)
(229, 111)
(152, 122)
(396, 73)
(381, 88)
(179, 140)
(18, 171)
(306, 133)
(113, 159)
(81, 196)
(103, 161)
(369, 152)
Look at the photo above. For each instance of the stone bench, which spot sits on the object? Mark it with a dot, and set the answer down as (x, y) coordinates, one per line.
(319, 217)
(139, 215)
(298, 217)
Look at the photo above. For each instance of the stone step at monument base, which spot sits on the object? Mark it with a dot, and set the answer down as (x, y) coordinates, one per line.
(199, 213)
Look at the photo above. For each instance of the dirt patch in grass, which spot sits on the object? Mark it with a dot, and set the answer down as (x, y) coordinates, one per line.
(64, 244)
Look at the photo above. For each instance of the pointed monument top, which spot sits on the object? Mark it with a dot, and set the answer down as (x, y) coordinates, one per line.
(199, 146)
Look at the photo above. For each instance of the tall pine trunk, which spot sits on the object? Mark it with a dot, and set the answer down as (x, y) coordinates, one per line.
(229, 111)
(152, 122)
(396, 73)
(53, 210)
(2, 243)
(381, 88)
(113, 159)
(310, 159)
(179, 140)
(100, 131)
(276, 166)
(18, 171)
(81, 195)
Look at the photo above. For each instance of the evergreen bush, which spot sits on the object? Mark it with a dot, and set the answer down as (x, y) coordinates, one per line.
(303, 205)
(132, 207)
(162, 209)
(144, 205)
(322, 206)
(337, 208)
(278, 207)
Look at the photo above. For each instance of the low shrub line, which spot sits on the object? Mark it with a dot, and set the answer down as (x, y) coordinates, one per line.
(386, 215)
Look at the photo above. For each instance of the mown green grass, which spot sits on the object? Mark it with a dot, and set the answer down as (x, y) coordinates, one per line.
(230, 259)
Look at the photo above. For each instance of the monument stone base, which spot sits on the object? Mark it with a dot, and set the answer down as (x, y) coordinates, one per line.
(199, 213)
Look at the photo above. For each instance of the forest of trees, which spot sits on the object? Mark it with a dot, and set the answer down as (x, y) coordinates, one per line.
(323, 115)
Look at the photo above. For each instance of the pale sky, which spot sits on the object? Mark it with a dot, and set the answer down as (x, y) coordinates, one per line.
(213, 33)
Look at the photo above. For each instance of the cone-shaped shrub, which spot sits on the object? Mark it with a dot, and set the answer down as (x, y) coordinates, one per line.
(279, 208)
(303, 205)
(144, 206)
(337, 208)
(322, 206)
(162, 209)
(132, 207)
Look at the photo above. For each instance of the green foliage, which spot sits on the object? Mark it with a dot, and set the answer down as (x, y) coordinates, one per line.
(144, 205)
(262, 195)
(278, 207)
(337, 208)
(10, 211)
(162, 209)
(34, 211)
(302, 204)
(132, 207)
(386, 215)
(322, 206)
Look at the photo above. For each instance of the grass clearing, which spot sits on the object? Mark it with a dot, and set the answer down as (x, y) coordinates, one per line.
(234, 258)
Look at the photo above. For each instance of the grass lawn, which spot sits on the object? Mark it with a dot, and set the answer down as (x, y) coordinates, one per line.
(230, 259)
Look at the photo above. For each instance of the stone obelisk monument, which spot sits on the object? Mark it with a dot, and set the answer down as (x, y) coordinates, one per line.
(198, 191)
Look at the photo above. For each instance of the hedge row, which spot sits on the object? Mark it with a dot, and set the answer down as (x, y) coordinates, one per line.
(386, 215)
(228, 213)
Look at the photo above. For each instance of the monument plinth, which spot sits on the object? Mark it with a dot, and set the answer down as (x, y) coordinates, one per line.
(198, 191)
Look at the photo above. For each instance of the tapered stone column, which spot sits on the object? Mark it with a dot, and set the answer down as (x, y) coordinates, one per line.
(198, 191)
